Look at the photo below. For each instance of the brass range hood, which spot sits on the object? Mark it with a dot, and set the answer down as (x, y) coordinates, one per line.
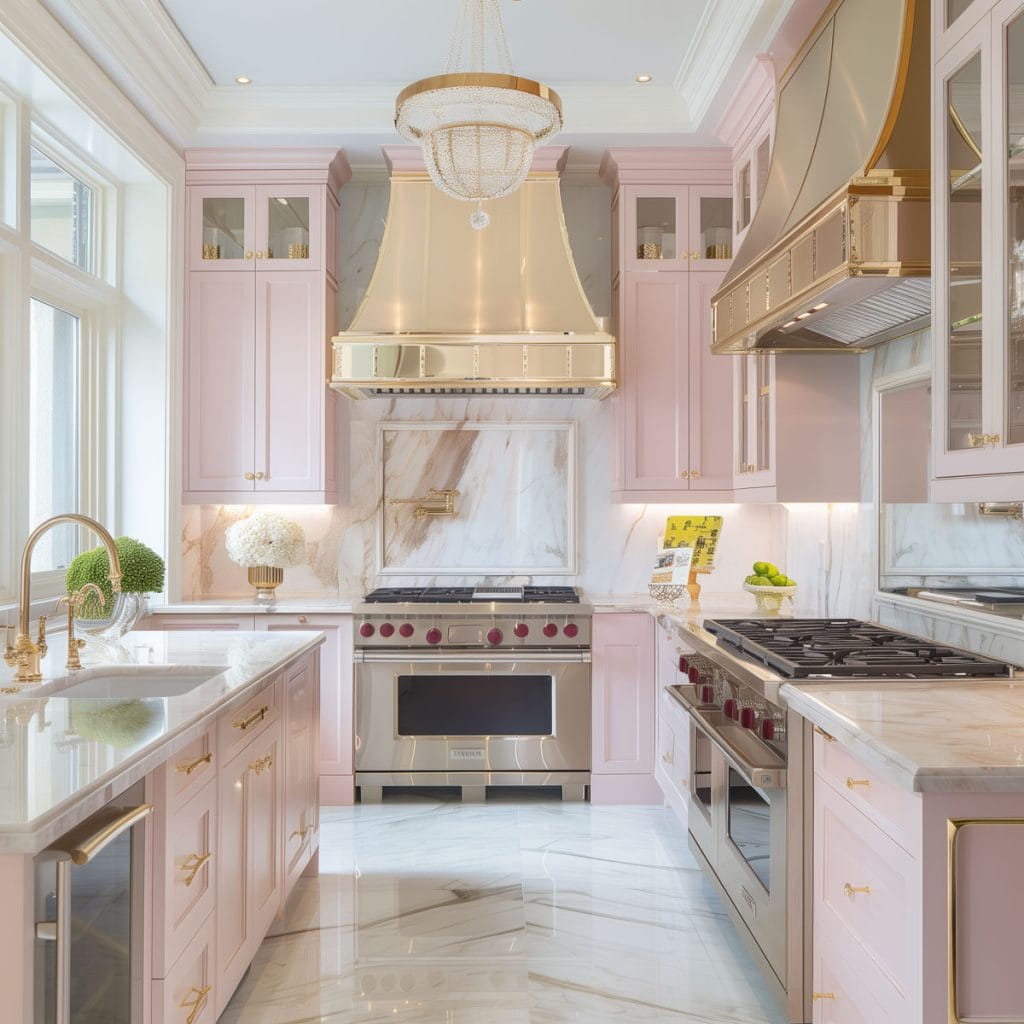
(455, 311)
(838, 256)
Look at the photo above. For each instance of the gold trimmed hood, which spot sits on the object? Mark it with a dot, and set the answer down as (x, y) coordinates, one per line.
(452, 310)
(838, 255)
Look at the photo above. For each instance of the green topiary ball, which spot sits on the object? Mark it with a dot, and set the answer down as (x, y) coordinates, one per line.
(142, 572)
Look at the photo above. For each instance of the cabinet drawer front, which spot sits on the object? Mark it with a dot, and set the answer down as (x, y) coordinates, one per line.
(897, 812)
(867, 883)
(189, 770)
(187, 995)
(847, 989)
(238, 727)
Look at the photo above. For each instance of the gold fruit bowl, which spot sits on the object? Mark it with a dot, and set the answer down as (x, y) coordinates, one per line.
(769, 599)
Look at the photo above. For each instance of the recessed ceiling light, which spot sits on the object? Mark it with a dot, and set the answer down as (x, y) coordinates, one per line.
(643, 79)
(243, 80)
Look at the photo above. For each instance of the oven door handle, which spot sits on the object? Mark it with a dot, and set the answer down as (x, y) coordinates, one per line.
(409, 657)
(759, 776)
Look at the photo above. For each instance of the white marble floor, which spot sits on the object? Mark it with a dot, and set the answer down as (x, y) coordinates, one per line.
(502, 913)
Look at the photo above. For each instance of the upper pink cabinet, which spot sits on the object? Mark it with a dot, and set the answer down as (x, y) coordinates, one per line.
(978, 209)
(278, 227)
(261, 306)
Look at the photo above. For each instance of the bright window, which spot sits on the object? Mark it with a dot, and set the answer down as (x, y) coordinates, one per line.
(62, 211)
(54, 454)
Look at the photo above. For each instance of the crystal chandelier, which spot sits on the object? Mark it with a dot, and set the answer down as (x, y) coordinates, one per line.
(478, 128)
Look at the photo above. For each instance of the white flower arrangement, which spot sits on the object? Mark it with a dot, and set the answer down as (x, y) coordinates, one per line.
(266, 539)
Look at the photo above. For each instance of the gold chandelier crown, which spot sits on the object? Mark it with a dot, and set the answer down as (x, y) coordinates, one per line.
(478, 127)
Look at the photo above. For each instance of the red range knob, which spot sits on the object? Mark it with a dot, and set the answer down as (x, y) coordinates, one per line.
(521, 629)
(729, 707)
(748, 718)
(684, 664)
(693, 675)
(406, 629)
(495, 636)
(571, 629)
(387, 629)
(366, 629)
(433, 635)
(707, 695)
(550, 629)
(768, 729)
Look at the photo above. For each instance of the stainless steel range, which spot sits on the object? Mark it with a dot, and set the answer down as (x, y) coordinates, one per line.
(751, 766)
(472, 688)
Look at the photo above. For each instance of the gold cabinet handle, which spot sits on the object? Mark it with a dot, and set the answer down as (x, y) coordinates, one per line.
(248, 255)
(193, 864)
(188, 767)
(256, 716)
(815, 996)
(821, 732)
(853, 890)
(262, 764)
(250, 476)
(195, 1002)
(853, 783)
(667, 758)
(301, 832)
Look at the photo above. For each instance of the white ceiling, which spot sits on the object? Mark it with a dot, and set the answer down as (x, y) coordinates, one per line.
(326, 72)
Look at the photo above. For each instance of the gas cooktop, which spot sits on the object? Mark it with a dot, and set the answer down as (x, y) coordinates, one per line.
(802, 648)
(466, 595)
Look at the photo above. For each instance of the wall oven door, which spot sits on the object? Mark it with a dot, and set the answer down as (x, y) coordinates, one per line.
(742, 834)
(472, 711)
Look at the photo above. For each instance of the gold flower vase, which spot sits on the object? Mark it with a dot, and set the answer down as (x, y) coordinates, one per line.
(266, 579)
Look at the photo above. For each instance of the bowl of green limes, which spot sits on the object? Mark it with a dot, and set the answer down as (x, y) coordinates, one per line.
(769, 586)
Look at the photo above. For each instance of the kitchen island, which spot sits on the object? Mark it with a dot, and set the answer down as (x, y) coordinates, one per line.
(212, 740)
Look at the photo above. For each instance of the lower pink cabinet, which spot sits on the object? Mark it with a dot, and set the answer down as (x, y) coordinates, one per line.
(301, 789)
(623, 688)
(187, 994)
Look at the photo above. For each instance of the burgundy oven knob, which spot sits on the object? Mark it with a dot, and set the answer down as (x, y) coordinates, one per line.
(729, 707)
(707, 694)
(550, 630)
(433, 635)
(495, 636)
(366, 629)
(684, 664)
(521, 629)
(748, 718)
(768, 729)
(387, 629)
(406, 629)
(571, 629)
(693, 675)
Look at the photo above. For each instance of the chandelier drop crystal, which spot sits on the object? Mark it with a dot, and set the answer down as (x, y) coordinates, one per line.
(478, 128)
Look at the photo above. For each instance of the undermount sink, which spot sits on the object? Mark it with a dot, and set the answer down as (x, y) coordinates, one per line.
(127, 682)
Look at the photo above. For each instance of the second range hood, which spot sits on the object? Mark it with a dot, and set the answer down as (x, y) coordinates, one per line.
(838, 255)
(451, 310)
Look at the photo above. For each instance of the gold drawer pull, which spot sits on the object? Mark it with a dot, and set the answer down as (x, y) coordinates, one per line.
(256, 716)
(667, 758)
(193, 865)
(815, 996)
(196, 1003)
(188, 767)
(301, 832)
(852, 890)
(262, 764)
(821, 732)
(853, 783)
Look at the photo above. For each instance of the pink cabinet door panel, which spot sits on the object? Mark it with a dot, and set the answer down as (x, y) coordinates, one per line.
(190, 991)
(237, 728)
(234, 925)
(623, 694)
(989, 907)
(220, 413)
(264, 807)
(847, 989)
(289, 407)
(299, 807)
(711, 394)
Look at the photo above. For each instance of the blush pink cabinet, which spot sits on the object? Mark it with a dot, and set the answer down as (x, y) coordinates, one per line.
(623, 702)
(301, 775)
(672, 761)
(672, 217)
(261, 306)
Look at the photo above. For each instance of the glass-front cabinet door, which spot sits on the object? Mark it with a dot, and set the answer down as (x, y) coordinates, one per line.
(657, 230)
(222, 229)
(710, 227)
(287, 224)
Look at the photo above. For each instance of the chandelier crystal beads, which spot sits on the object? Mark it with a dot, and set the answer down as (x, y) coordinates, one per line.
(478, 127)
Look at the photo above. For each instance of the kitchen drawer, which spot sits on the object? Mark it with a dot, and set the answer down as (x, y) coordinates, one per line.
(188, 771)
(183, 874)
(238, 727)
(867, 884)
(848, 989)
(674, 713)
(896, 811)
(186, 995)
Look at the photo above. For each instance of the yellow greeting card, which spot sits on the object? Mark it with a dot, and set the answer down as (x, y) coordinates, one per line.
(700, 533)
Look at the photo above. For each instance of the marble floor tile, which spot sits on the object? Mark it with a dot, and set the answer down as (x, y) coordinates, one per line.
(506, 912)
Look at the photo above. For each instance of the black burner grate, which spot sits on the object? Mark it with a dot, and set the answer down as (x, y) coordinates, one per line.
(799, 648)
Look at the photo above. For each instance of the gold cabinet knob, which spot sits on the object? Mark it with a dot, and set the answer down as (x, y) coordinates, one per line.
(259, 254)
(853, 890)
(694, 474)
(684, 474)
(853, 783)
(303, 620)
(666, 757)
(261, 476)
(250, 476)
(695, 254)
(248, 255)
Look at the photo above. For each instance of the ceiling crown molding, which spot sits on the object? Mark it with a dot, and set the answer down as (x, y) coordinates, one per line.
(138, 44)
(750, 105)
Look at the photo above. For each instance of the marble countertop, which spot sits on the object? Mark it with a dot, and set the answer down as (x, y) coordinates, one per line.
(925, 736)
(248, 606)
(63, 757)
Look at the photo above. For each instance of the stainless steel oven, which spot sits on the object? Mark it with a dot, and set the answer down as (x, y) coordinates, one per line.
(472, 719)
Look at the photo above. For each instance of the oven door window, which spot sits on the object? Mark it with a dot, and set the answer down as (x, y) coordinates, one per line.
(750, 825)
(475, 705)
